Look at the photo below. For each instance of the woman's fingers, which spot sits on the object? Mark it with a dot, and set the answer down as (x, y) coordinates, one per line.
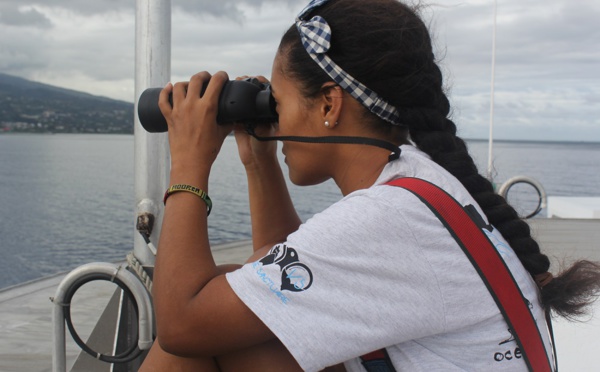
(260, 78)
(214, 88)
(201, 93)
(179, 91)
(196, 84)
(163, 100)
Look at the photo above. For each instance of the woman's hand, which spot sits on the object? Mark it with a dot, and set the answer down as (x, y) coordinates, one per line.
(252, 152)
(195, 139)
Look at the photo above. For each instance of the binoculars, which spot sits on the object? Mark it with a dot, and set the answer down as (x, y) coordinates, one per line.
(247, 101)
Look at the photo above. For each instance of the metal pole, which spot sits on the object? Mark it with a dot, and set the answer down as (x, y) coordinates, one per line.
(152, 160)
(491, 134)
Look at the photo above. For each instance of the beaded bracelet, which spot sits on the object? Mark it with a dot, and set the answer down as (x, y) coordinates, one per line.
(192, 189)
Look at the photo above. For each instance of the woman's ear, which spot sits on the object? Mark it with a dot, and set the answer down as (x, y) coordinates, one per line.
(331, 103)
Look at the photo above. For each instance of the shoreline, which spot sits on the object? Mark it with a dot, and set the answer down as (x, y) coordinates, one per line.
(478, 140)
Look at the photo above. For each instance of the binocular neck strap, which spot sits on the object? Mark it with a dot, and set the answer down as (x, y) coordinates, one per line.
(395, 150)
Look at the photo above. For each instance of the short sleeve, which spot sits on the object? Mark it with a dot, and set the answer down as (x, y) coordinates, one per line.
(351, 280)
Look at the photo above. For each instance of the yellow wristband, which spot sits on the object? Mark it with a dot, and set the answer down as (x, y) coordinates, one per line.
(188, 188)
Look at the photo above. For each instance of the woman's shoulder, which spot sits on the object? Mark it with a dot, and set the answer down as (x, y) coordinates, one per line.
(415, 163)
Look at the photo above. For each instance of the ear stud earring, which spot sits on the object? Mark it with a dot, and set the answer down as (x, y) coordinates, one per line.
(327, 123)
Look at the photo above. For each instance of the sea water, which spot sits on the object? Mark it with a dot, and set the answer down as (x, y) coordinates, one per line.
(66, 200)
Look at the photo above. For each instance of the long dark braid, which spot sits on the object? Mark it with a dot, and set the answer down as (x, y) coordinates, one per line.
(385, 45)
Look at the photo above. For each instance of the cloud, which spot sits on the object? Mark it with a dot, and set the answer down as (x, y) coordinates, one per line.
(23, 16)
(546, 68)
(230, 9)
(89, 51)
(546, 78)
(543, 114)
(239, 48)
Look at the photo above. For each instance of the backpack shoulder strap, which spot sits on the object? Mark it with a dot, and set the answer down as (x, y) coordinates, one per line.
(466, 229)
(377, 361)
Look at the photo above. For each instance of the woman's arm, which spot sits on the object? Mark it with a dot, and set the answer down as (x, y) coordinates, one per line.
(271, 209)
(273, 214)
(197, 312)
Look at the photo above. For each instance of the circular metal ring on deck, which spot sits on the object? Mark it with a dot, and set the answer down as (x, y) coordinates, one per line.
(542, 198)
(132, 351)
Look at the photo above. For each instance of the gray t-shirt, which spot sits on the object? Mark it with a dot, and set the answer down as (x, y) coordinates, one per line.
(378, 269)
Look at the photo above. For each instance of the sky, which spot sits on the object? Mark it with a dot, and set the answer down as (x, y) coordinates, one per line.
(547, 76)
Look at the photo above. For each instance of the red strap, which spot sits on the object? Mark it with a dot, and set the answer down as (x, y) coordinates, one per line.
(374, 355)
(490, 266)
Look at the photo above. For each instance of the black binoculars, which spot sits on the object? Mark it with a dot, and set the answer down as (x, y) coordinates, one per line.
(247, 101)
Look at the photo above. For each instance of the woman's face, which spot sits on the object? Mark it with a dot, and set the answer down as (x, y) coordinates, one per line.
(299, 116)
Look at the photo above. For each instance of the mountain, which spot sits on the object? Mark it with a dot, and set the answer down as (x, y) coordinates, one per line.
(27, 106)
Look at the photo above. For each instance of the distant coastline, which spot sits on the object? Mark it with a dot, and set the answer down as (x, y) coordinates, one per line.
(478, 140)
(532, 141)
(30, 107)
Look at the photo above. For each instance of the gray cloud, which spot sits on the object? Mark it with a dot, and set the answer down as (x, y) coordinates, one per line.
(13, 16)
(232, 9)
(546, 73)
(547, 61)
(529, 33)
(77, 6)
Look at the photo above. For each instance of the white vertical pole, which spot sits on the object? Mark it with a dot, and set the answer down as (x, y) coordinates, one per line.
(491, 134)
(152, 160)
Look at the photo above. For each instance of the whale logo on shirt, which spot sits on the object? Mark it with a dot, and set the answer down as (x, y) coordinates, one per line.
(295, 276)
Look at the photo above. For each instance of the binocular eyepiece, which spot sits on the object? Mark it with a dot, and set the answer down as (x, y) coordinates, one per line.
(248, 101)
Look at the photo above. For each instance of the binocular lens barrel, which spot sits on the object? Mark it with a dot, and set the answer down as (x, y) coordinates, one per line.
(244, 101)
(150, 116)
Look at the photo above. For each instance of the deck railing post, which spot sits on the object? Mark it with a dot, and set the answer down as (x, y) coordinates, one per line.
(152, 161)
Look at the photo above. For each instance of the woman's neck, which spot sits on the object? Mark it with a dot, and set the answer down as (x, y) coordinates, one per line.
(360, 169)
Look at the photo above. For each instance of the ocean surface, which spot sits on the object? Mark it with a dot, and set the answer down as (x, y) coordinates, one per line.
(66, 200)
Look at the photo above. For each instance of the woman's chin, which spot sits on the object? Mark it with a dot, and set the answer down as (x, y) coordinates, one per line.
(300, 180)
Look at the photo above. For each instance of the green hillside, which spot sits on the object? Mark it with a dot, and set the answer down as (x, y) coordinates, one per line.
(27, 106)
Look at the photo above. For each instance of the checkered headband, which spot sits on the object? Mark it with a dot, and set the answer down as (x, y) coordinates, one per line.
(316, 38)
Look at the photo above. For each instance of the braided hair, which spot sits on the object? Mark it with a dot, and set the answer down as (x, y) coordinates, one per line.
(386, 45)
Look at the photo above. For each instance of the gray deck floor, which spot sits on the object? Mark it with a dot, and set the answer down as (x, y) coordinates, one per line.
(26, 315)
(26, 311)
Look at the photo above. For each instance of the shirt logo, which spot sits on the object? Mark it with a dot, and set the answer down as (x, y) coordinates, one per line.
(295, 276)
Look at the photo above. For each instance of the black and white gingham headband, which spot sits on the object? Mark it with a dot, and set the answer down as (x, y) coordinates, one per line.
(316, 38)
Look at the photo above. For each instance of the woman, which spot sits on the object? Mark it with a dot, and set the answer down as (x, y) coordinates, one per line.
(375, 270)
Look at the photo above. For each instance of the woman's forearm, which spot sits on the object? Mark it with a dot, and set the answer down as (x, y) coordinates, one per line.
(272, 211)
(194, 304)
(183, 249)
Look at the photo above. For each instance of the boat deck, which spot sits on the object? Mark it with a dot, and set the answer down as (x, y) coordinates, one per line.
(26, 315)
(26, 311)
